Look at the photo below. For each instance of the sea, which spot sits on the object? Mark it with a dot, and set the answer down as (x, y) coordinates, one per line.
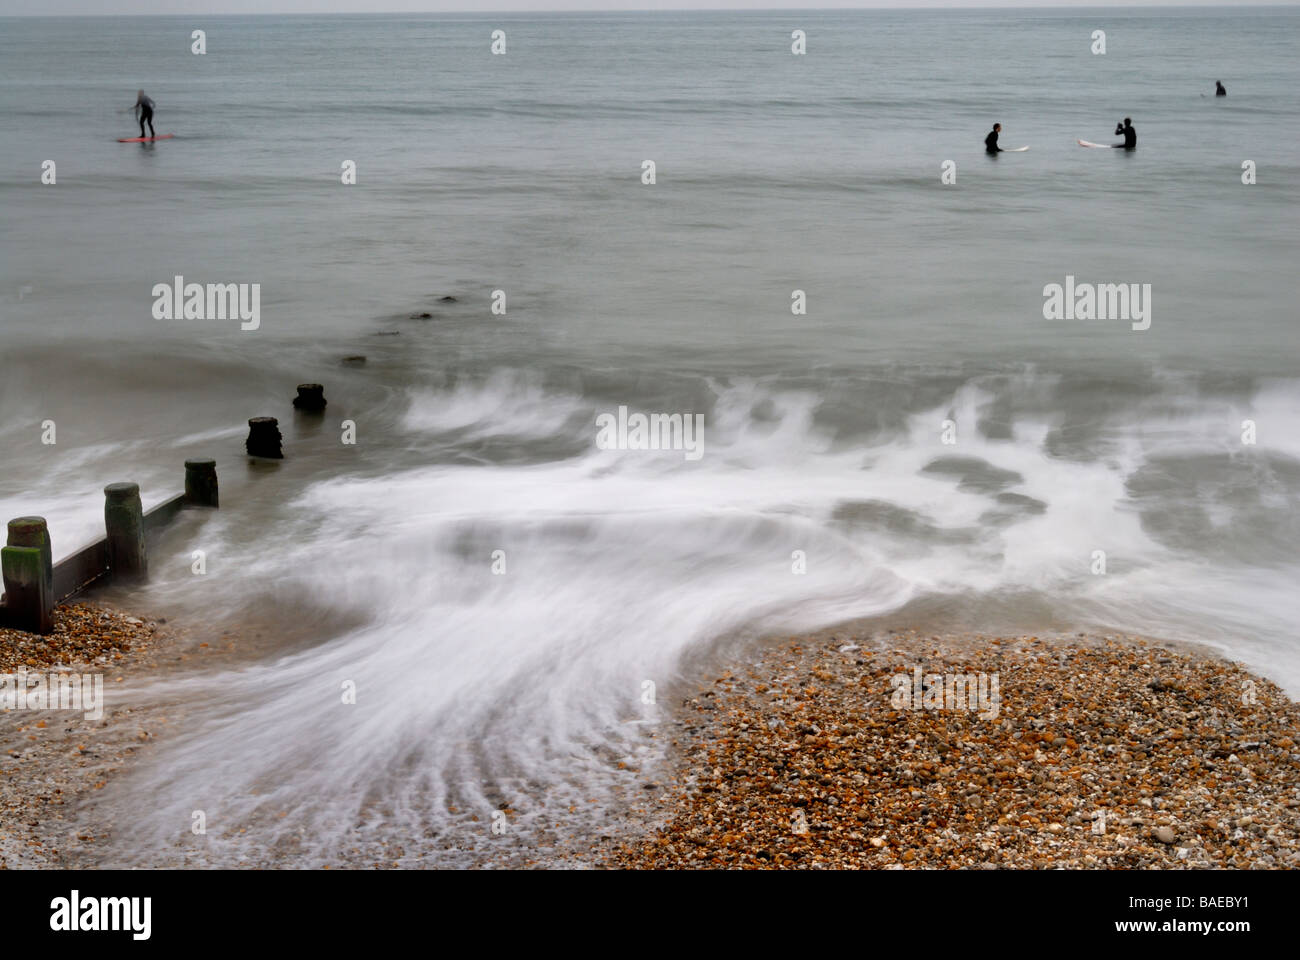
(450, 626)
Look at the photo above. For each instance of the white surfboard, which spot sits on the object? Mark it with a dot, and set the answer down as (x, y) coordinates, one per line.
(1015, 150)
(1089, 143)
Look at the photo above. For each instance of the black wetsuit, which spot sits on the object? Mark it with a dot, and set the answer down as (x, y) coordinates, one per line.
(991, 143)
(1219, 91)
(145, 106)
(1130, 138)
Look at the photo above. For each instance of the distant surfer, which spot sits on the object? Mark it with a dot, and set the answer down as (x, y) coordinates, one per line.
(991, 141)
(1218, 89)
(1129, 134)
(145, 106)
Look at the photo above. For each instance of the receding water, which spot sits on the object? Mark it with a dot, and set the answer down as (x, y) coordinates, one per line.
(373, 562)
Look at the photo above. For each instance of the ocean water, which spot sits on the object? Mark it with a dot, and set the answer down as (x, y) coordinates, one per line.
(379, 563)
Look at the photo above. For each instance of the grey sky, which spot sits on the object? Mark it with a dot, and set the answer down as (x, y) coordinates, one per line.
(202, 7)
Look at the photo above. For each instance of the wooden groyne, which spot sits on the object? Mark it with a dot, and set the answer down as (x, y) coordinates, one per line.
(33, 584)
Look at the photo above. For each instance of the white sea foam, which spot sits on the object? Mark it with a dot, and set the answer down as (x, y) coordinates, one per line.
(476, 689)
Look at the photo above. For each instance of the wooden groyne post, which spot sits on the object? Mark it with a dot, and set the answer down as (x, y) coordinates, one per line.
(264, 438)
(311, 398)
(28, 570)
(201, 483)
(124, 521)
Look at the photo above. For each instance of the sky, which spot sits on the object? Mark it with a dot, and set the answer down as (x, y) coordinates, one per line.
(208, 7)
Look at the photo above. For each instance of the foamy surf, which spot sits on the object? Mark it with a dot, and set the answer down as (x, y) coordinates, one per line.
(512, 613)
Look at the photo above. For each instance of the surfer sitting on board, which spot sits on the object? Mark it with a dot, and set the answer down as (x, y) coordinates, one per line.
(145, 106)
(1130, 135)
(991, 141)
(1218, 89)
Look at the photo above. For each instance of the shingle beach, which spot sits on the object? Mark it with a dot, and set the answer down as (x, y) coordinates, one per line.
(1105, 752)
(52, 758)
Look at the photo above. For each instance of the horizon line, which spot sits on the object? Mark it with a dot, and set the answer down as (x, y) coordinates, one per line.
(900, 5)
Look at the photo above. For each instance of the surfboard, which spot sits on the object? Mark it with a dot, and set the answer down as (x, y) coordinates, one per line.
(1015, 150)
(165, 136)
(1089, 143)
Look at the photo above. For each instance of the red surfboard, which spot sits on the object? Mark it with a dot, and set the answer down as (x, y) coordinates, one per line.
(165, 136)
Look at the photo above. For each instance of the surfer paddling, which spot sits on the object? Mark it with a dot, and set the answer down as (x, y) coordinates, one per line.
(145, 108)
(991, 141)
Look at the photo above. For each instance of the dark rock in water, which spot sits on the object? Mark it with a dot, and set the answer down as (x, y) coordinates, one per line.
(264, 438)
(448, 299)
(975, 475)
(356, 361)
(421, 316)
(1019, 500)
(311, 397)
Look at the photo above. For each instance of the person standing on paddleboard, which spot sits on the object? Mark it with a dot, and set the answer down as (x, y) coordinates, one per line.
(991, 141)
(145, 106)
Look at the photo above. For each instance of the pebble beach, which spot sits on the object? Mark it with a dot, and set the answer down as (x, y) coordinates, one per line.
(51, 761)
(1106, 752)
(1100, 751)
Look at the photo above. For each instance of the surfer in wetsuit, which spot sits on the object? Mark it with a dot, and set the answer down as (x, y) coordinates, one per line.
(1130, 135)
(1218, 89)
(145, 106)
(991, 141)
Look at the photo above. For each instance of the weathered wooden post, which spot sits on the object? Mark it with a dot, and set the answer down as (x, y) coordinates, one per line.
(32, 532)
(264, 438)
(201, 483)
(311, 397)
(124, 524)
(26, 563)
